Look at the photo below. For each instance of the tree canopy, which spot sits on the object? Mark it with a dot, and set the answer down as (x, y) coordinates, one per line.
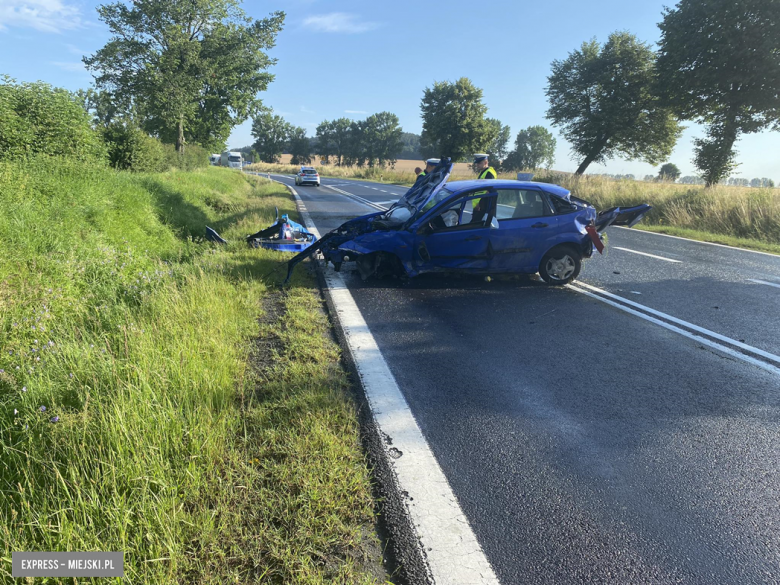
(271, 134)
(299, 146)
(603, 100)
(669, 172)
(454, 123)
(192, 70)
(498, 148)
(534, 148)
(719, 62)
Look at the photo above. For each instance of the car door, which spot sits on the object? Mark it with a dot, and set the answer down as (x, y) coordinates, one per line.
(527, 228)
(451, 238)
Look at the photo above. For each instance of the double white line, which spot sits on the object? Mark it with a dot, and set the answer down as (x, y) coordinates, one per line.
(747, 353)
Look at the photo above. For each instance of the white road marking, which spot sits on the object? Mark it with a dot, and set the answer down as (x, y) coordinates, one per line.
(358, 199)
(646, 254)
(593, 290)
(764, 282)
(450, 547)
(696, 241)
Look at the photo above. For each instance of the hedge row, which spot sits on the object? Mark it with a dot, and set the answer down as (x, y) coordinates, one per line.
(36, 118)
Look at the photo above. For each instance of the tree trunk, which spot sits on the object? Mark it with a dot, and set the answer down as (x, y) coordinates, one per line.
(591, 156)
(180, 137)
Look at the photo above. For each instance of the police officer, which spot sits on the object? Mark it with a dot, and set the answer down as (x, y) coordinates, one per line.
(430, 164)
(484, 171)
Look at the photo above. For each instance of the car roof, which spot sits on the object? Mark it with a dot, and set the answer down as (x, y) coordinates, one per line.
(556, 190)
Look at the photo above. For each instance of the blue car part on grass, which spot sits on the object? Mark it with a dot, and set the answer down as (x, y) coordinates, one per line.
(475, 227)
(285, 235)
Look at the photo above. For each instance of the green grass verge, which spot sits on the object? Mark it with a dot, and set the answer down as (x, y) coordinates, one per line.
(195, 418)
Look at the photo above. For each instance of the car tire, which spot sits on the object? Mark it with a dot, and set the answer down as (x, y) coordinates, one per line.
(560, 266)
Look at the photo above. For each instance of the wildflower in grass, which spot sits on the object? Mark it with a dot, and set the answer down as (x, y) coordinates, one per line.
(54, 419)
(16, 412)
(70, 375)
(43, 409)
(24, 388)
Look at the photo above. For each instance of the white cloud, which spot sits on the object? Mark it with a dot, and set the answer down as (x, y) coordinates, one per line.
(339, 22)
(75, 50)
(74, 66)
(43, 15)
(306, 110)
(355, 112)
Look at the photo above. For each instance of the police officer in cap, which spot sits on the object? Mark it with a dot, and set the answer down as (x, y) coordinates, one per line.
(430, 164)
(485, 171)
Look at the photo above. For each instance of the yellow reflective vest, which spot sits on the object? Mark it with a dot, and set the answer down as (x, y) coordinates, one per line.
(488, 173)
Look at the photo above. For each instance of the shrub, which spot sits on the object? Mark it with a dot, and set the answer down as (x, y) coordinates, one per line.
(130, 148)
(36, 118)
(194, 156)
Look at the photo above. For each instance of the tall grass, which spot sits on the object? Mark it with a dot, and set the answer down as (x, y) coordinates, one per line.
(740, 212)
(131, 418)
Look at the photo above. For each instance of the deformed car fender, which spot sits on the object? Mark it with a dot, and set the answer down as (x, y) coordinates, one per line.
(397, 242)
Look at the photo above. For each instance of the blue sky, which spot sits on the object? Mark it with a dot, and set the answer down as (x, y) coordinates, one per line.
(348, 58)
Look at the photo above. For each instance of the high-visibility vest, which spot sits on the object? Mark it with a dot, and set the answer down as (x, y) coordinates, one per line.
(488, 173)
(422, 174)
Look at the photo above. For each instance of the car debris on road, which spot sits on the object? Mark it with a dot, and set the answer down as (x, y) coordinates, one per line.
(284, 235)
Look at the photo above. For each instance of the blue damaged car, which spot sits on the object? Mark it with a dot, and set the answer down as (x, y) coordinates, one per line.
(475, 227)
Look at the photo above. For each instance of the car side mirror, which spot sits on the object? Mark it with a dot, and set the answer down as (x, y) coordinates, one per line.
(493, 223)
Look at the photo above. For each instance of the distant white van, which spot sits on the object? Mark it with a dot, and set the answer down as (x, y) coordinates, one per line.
(232, 160)
(214, 159)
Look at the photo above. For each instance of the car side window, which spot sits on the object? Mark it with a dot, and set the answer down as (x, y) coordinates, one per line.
(562, 206)
(459, 214)
(520, 204)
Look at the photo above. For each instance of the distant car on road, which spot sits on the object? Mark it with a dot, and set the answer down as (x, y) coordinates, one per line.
(475, 227)
(214, 159)
(307, 175)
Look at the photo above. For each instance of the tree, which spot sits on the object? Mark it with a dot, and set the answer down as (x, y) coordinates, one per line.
(650, 179)
(669, 172)
(534, 148)
(333, 138)
(271, 133)
(382, 138)
(691, 180)
(497, 150)
(299, 146)
(411, 146)
(604, 102)
(454, 122)
(354, 145)
(189, 68)
(719, 63)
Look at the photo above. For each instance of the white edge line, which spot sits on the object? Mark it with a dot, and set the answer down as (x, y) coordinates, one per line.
(449, 546)
(640, 231)
(764, 282)
(697, 338)
(646, 254)
(702, 330)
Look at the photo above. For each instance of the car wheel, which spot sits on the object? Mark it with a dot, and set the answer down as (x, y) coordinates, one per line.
(560, 266)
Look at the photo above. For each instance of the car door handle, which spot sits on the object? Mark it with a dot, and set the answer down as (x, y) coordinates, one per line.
(473, 239)
(539, 225)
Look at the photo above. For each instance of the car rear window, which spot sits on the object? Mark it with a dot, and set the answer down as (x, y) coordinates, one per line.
(309, 172)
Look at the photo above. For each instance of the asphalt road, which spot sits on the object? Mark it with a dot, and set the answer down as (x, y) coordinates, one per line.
(586, 444)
